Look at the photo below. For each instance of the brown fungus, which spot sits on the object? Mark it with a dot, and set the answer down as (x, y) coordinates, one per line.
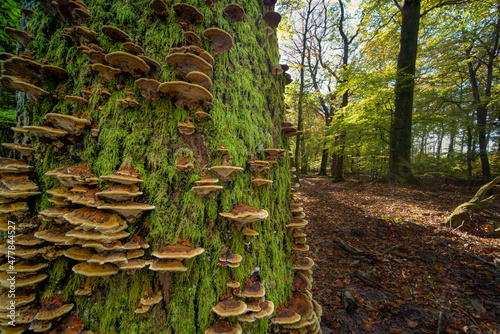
(133, 48)
(199, 78)
(128, 63)
(187, 14)
(185, 63)
(106, 72)
(184, 94)
(234, 12)
(22, 37)
(115, 34)
(159, 7)
(192, 38)
(220, 40)
(272, 19)
(71, 124)
(148, 88)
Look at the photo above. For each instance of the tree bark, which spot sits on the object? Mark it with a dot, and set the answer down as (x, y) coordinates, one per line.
(401, 138)
(148, 137)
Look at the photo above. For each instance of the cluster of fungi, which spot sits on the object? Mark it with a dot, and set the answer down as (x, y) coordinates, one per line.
(89, 217)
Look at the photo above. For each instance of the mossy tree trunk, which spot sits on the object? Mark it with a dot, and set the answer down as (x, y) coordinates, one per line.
(247, 111)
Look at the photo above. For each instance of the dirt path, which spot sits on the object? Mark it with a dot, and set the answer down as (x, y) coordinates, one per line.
(412, 275)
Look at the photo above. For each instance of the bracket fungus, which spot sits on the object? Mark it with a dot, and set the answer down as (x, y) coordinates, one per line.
(76, 99)
(128, 63)
(187, 14)
(303, 263)
(192, 38)
(202, 116)
(225, 170)
(129, 210)
(115, 34)
(185, 95)
(253, 289)
(177, 252)
(125, 175)
(150, 298)
(167, 265)
(14, 83)
(224, 327)
(128, 102)
(22, 37)
(199, 78)
(90, 219)
(14, 166)
(286, 316)
(52, 311)
(153, 64)
(119, 192)
(133, 48)
(220, 40)
(230, 307)
(71, 124)
(95, 270)
(186, 128)
(185, 63)
(243, 214)
(106, 72)
(73, 176)
(159, 7)
(266, 309)
(260, 181)
(234, 12)
(148, 88)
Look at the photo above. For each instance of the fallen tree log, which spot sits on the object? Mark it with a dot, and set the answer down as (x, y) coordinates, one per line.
(478, 203)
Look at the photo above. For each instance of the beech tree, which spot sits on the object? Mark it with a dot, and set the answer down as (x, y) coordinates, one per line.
(90, 63)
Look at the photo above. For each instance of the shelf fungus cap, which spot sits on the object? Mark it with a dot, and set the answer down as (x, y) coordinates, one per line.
(224, 327)
(95, 270)
(187, 14)
(106, 72)
(272, 19)
(72, 176)
(22, 37)
(53, 235)
(186, 128)
(199, 78)
(253, 289)
(225, 170)
(133, 48)
(192, 38)
(247, 317)
(71, 124)
(142, 309)
(45, 132)
(21, 279)
(232, 284)
(27, 240)
(220, 40)
(53, 311)
(150, 298)
(33, 91)
(120, 192)
(129, 210)
(90, 218)
(159, 7)
(249, 232)
(25, 266)
(267, 308)
(153, 64)
(78, 253)
(115, 34)
(88, 199)
(177, 252)
(96, 236)
(286, 316)
(185, 63)
(135, 243)
(185, 95)
(206, 189)
(22, 297)
(245, 214)
(206, 180)
(128, 63)
(202, 116)
(234, 12)
(133, 264)
(230, 307)
(14, 166)
(126, 175)
(260, 181)
(230, 257)
(303, 263)
(167, 265)
(148, 88)
(109, 257)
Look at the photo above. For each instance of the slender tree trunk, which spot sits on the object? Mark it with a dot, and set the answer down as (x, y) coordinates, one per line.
(325, 152)
(400, 142)
(470, 152)
(451, 145)
(439, 145)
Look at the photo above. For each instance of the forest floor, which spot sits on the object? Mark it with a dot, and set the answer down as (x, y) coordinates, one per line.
(387, 248)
